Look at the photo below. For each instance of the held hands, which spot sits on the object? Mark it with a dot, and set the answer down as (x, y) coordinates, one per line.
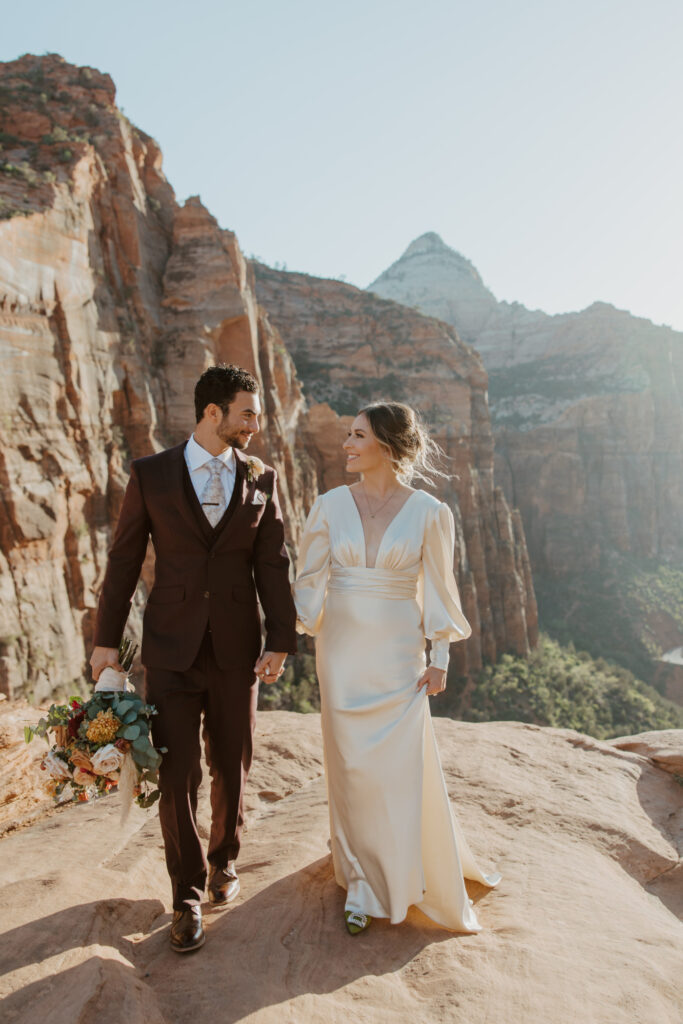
(104, 657)
(270, 666)
(434, 679)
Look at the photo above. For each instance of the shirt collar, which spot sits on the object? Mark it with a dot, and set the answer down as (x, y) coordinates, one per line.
(197, 456)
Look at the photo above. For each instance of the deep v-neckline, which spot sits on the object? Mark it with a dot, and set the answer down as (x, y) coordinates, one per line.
(386, 529)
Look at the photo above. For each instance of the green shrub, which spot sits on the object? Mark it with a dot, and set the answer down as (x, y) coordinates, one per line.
(564, 688)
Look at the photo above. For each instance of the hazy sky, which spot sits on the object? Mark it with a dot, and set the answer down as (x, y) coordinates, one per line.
(541, 139)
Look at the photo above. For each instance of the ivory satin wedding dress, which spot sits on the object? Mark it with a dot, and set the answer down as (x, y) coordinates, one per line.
(395, 841)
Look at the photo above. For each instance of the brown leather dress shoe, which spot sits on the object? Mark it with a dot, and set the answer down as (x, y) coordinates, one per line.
(187, 933)
(223, 884)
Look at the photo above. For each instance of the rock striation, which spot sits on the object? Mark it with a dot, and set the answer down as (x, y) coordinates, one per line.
(113, 299)
(585, 925)
(349, 348)
(588, 423)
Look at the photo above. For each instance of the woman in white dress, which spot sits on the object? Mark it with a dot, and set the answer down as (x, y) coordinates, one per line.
(375, 577)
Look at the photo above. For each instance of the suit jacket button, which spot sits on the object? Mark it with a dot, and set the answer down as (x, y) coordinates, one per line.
(206, 593)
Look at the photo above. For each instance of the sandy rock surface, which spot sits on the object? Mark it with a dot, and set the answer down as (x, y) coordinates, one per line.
(584, 925)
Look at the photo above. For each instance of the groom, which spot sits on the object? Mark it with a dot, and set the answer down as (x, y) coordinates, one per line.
(215, 522)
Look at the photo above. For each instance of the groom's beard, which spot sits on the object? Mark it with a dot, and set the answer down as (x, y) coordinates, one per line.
(235, 438)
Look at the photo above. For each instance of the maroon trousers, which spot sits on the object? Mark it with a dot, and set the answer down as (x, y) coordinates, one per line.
(227, 700)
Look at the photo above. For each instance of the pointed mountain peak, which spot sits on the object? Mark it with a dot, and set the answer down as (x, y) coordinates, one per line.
(432, 249)
(429, 242)
(439, 281)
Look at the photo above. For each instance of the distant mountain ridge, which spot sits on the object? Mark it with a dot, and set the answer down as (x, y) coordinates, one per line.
(588, 423)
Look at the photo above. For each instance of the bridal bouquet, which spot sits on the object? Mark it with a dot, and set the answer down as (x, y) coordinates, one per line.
(101, 743)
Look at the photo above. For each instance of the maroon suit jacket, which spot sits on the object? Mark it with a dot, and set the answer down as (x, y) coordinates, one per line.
(202, 576)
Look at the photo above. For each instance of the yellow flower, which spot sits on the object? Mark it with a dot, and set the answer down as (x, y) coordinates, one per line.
(104, 727)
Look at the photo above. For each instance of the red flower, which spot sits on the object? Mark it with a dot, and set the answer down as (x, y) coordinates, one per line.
(75, 703)
(73, 724)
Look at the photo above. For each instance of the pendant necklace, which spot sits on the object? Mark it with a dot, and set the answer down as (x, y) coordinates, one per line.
(385, 502)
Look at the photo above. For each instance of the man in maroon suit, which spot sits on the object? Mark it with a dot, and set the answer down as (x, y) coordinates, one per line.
(215, 522)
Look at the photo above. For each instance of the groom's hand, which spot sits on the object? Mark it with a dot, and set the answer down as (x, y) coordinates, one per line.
(269, 667)
(104, 657)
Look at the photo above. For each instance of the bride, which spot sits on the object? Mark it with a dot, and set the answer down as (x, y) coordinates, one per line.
(375, 577)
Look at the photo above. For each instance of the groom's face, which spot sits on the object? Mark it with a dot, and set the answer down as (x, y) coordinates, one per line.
(241, 421)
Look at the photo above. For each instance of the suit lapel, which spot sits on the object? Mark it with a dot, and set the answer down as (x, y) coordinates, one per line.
(239, 494)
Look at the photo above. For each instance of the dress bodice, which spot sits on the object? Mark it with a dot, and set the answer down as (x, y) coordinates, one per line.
(414, 561)
(401, 545)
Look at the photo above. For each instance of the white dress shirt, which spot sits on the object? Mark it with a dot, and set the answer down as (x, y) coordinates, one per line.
(197, 457)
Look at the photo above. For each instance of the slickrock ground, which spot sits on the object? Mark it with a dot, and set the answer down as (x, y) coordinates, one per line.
(582, 927)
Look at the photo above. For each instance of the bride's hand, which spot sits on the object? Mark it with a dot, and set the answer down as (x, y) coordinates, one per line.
(434, 679)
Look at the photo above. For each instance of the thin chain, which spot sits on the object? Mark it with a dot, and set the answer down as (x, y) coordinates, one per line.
(385, 502)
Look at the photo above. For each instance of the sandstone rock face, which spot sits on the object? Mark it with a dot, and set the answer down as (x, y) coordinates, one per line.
(585, 924)
(112, 300)
(350, 348)
(588, 424)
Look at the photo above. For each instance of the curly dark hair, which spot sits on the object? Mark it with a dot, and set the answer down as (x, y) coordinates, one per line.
(218, 386)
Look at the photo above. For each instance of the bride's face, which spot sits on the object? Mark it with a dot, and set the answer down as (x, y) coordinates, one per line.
(363, 451)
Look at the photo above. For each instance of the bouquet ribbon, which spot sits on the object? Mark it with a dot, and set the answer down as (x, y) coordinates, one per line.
(111, 680)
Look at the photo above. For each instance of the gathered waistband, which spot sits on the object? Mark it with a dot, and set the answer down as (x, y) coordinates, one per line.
(386, 583)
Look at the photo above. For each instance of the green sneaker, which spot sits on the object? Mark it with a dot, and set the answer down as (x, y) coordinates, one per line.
(356, 922)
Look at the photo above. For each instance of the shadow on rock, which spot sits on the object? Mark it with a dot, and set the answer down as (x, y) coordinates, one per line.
(288, 940)
(101, 923)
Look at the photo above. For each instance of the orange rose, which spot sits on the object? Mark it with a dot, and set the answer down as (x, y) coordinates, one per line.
(80, 759)
(83, 778)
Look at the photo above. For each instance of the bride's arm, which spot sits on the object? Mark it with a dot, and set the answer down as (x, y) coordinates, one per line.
(443, 619)
(313, 567)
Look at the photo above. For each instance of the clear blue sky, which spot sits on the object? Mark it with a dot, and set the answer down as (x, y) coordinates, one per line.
(540, 138)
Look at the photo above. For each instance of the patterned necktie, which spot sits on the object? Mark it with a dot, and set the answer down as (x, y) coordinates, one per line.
(213, 495)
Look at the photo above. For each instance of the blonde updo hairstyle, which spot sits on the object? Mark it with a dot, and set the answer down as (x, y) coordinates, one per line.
(399, 430)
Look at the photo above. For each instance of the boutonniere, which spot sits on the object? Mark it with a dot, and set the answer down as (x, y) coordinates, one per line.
(254, 468)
